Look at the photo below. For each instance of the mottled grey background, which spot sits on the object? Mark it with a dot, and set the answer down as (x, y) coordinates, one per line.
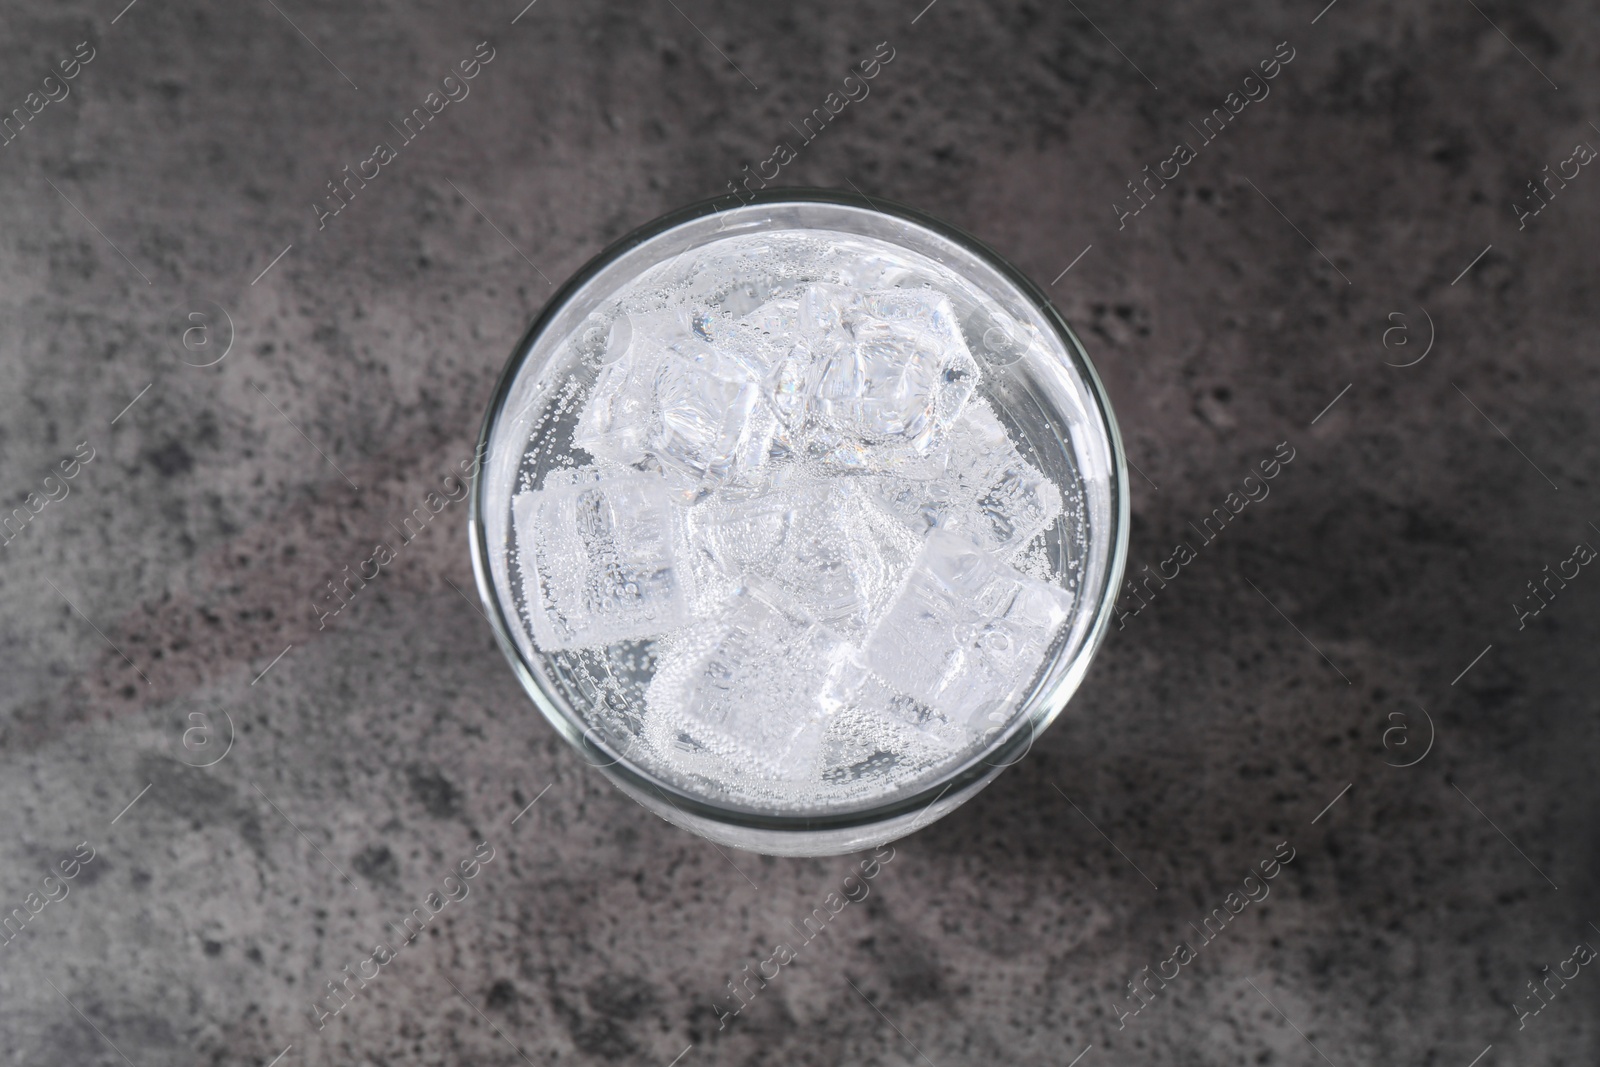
(189, 154)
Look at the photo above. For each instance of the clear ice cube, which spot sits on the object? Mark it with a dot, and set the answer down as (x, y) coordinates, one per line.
(699, 408)
(967, 632)
(880, 386)
(713, 421)
(1018, 504)
(871, 706)
(868, 753)
(622, 411)
(615, 423)
(928, 310)
(831, 548)
(1013, 501)
(984, 488)
(797, 331)
(889, 371)
(750, 688)
(600, 561)
(823, 308)
(922, 504)
(777, 318)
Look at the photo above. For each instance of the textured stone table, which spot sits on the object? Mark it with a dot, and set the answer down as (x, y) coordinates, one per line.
(1354, 670)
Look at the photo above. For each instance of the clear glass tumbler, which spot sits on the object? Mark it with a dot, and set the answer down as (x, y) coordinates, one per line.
(1033, 374)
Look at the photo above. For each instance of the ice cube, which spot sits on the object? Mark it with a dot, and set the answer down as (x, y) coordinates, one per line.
(984, 488)
(778, 318)
(1017, 504)
(822, 308)
(867, 703)
(831, 548)
(604, 336)
(700, 409)
(864, 753)
(920, 503)
(750, 688)
(794, 332)
(966, 634)
(1007, 500)
(600, 561)
(615, 423)
(713, 421)
(885, 383)
(927, 309)
(880, 386)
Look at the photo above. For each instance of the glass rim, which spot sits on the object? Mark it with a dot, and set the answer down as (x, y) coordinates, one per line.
(982, 764)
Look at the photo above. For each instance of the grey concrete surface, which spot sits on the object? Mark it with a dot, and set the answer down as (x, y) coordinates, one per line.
(163, 605)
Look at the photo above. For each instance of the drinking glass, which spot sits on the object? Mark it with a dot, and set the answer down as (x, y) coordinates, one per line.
(1035, 375)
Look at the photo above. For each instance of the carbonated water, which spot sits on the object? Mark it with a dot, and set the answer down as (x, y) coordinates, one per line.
(795, 551)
